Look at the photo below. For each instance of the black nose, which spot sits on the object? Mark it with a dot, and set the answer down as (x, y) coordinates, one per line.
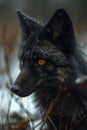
(15, 89)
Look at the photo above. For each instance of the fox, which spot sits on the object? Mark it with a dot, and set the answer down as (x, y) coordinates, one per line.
(50, 62)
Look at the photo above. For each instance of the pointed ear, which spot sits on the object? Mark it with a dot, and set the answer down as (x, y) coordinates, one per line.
(60, 30)
(28, 25)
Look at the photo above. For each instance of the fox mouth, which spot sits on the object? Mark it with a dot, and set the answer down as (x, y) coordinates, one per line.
(26, 90)
(29, 86)
(21, 93)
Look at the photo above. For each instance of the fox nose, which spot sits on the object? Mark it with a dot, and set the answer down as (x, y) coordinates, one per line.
(15, 89)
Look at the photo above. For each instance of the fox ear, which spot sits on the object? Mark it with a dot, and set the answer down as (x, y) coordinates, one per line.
(28, 25)
(60, 29)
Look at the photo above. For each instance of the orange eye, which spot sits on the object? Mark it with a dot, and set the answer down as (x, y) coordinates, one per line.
(41, 62)
(22, 62)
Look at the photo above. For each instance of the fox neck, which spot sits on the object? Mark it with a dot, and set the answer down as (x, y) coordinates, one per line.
(66, 109)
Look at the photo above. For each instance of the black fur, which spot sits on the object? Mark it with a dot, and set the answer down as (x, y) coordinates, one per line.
(55, 44)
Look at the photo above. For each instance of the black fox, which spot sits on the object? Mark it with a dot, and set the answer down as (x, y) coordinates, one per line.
(50, 62)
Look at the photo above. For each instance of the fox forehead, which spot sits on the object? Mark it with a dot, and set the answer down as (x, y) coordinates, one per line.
(48, 52)
(44, 50)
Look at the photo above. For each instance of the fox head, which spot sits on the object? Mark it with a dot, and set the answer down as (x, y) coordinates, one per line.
(50, 60)
(46, 54)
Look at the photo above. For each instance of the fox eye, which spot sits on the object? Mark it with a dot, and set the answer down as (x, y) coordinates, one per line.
(41, 62)
(22, 62)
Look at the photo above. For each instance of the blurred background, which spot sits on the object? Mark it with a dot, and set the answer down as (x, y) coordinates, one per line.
(15, 112)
